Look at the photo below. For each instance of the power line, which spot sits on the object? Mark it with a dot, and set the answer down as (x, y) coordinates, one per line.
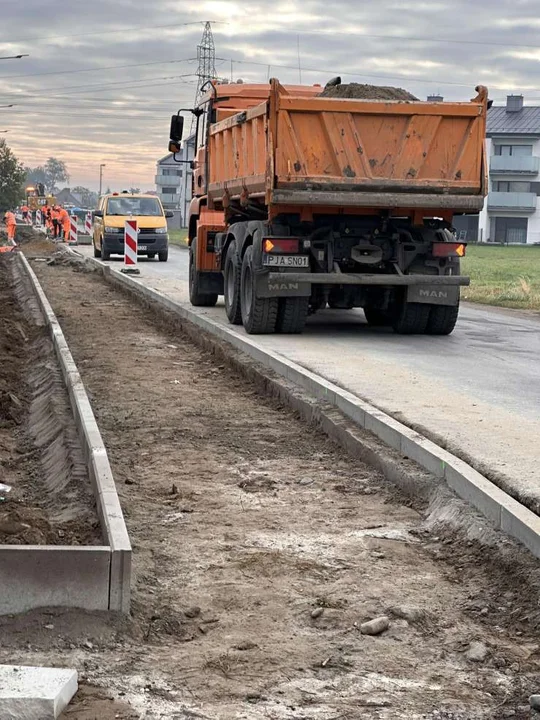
(327, 71)
(410, 38)
(99, 69)
(75, 89)
(48, 38)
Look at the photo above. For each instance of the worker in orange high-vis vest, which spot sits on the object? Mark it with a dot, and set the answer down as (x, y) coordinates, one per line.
(63, 217)
(11, 224)
(48, 219)
(57, 226)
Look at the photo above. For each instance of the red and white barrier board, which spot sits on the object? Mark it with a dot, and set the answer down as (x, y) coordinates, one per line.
(73, 234)
(130, 245)
(88, 224)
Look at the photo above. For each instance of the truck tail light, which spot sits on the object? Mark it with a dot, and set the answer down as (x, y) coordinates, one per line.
(449, 249)
(281, 245)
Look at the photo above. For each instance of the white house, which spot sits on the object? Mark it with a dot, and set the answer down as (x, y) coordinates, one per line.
(168, 181)
(511, 212)
(173, 179)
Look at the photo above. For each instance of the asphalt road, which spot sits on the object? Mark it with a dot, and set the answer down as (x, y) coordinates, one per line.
(478, 389)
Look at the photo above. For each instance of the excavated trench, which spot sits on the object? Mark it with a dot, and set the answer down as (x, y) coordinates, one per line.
(41, 459)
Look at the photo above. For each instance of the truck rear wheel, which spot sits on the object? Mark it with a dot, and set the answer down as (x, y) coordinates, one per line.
(442, 319)
(197, 298)
(259, 315)
(232, 276)
(411, 318)
(292, 315)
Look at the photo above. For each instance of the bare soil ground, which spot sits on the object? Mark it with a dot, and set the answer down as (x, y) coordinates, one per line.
(40, 457)
(259, 550)
(367, 92)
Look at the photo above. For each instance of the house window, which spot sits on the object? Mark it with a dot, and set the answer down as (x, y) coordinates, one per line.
(171, 172)
(169, 190)
(518, 186)
(519, 150)
(511, 230)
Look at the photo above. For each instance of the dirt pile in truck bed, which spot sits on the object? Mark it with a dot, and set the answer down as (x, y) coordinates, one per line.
(367, 92)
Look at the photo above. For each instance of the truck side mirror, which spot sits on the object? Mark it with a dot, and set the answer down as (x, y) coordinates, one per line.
(177, 129)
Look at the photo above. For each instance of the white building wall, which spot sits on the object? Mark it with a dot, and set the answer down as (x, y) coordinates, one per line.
(188, 153)
(483, 222)
(487, 218)
(169, 175)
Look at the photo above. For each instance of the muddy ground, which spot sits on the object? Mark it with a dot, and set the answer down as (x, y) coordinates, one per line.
(259, 550)
(50, 501)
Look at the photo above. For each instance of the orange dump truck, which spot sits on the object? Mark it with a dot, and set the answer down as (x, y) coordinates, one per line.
(303, 202)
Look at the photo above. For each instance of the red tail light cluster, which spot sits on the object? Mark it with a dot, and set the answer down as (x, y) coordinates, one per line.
(281, 245)
(449, 249)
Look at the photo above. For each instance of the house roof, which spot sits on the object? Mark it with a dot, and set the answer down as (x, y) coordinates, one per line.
(524, 122)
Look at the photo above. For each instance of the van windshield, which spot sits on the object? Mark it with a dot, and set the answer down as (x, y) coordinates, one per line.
(134, 206)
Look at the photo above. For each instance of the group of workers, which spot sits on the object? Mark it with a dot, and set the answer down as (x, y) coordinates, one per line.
(57, 221)
(55, 218)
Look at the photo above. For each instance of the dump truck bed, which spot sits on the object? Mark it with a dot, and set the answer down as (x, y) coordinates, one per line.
(294, 149)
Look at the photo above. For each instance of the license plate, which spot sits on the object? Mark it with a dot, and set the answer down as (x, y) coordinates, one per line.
(287, 261)
(142, 248)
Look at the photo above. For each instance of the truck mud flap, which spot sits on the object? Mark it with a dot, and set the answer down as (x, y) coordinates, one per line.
(211, 282)
(433, 294)
(281, 287)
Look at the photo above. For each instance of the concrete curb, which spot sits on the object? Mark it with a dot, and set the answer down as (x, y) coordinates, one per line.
(94, 578)
(503, 511)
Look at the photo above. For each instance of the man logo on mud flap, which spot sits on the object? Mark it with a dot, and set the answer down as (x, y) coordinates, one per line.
(433, 293)
(273, 287)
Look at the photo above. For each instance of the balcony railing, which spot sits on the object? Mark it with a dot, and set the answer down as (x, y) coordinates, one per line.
(166, 198)
(514, 165)
(522, 202)
(167, 179)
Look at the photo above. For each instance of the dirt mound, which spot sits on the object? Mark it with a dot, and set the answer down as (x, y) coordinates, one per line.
(367, 92)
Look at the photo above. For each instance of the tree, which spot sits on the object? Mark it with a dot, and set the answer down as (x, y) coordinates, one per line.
(88, 197)
(55, 172)
(12, 177)
(35, 175)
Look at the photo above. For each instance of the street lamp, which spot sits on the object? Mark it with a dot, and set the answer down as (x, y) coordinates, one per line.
(101, 177)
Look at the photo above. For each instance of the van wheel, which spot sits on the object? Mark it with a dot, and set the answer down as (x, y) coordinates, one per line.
(196, 298)
(259, 315)
(163, 256)
(292, 315)
(105, 254)
(232, 275)
(97, 253)
(411, 318)
(442, 319)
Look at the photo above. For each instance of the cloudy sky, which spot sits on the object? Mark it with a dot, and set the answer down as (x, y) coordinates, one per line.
(104, 77)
